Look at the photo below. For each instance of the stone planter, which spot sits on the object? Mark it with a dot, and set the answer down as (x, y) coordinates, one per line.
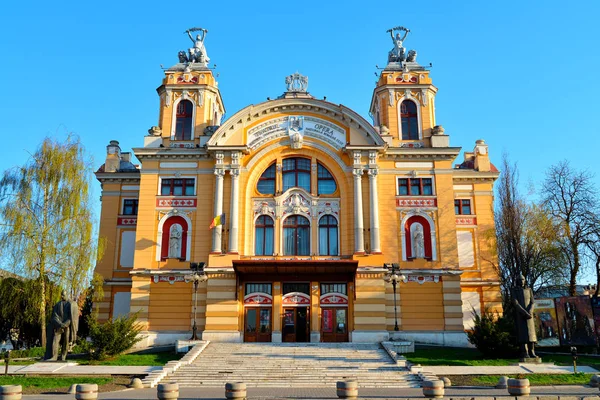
(167, 391)
(235, 390)
(518, 387)
(433, 389)
(11, 392)
(86, 392)
(347, 389)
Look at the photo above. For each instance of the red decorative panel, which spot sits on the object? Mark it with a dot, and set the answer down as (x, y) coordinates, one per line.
(182, 80)
(258, 299)
(175, 202)
(407, 79)
(416, 202)
(466, 220)
(296, 298)
(127, 221)
(334, 299)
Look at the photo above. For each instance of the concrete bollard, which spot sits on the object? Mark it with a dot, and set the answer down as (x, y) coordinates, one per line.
(86, 392)
(136, 383)
(433, 389)
(518, 387)
(447, 382)
(347, 389)
(502, 382)
(594, 380)
(167, 391)
(11, 392)
(235, 390)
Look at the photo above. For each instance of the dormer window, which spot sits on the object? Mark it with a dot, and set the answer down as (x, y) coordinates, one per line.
(296, 173)
(183, 120)
(410, 120)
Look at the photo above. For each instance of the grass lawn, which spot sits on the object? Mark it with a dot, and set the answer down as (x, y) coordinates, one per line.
(154, 359)
(534, 379)
(461, 356)
(50, 382)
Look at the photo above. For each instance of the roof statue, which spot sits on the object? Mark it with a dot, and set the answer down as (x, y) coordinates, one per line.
(197, 53)
(398, 53)
(296, 83)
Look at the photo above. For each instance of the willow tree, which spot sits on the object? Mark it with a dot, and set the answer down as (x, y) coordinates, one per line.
(46, 218)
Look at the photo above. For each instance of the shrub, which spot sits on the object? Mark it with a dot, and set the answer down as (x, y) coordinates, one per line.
(31, 352)
(493, 335)
(113, 337)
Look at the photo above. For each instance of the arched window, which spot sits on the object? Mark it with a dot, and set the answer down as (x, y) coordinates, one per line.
(183, 120)
(174, 238)
(410, 121)
(296, 236)
(263, 235)
(266, 182)
(417, 233)
(326, 183)
(328, 236)
(296, 173)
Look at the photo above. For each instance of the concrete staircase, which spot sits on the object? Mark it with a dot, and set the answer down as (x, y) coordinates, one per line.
(293, 365)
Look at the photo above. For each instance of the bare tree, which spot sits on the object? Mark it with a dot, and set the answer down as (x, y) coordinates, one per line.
(525, 237)
(570, 197)
(46, 220)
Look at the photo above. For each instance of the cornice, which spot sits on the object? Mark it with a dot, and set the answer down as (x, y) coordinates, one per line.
(424, 153)
(467, 175)
(154, 153)
(124, 177)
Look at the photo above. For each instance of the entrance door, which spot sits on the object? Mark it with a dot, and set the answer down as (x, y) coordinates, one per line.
(257, 324)
(334, 324)
(295, 324)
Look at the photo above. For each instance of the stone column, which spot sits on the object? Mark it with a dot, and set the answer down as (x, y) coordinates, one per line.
(234, 214)
(359, 240)
(374, 208)
(218, 210)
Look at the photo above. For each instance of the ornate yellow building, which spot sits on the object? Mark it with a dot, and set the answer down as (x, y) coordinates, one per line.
(318, 206)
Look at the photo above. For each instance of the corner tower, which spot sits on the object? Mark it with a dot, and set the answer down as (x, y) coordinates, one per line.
(403, 102)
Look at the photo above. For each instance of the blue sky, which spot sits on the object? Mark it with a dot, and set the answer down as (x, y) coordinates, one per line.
(521, 75)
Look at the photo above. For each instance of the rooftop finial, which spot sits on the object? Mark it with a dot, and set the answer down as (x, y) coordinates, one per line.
(196, 54)
(296, 83)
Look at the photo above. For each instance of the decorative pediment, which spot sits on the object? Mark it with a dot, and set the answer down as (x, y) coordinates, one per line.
(295, 122)
(296, 201)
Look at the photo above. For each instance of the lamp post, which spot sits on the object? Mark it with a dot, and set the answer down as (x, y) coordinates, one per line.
(394, 277)
(198, 276)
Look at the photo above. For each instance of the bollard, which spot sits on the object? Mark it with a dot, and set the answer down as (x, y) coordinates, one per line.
(447, 382)
(502, 382)
(594, 380)
(347, 389)
(518, 387)
(235, 390)
(136, 383)
(11, 392)
(167, 391)
(86, 392)
(433, 389)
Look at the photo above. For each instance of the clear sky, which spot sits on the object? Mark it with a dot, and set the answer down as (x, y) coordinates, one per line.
(523, 75)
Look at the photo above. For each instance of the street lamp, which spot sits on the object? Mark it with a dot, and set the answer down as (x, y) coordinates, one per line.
(394, 277)
(198, 276)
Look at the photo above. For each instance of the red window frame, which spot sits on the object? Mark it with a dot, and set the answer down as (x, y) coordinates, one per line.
(460, 205)
(183, 120)
(419, 183)
(409, 117)
(166, 230)
(187, 186)
(426, 236)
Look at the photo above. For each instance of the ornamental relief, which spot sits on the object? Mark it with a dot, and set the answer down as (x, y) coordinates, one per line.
(298, 202)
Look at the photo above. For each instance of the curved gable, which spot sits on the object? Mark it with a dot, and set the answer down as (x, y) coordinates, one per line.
(297, 120)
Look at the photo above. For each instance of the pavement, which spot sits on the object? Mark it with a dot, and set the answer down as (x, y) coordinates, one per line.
(573, 392)
(522, 368)
(68, 368)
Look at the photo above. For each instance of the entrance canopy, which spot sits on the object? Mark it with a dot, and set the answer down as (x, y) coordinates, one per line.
(297, 269)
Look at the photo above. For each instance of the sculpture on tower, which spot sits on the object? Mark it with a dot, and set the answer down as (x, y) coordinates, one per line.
(398, 53)
(197, 53)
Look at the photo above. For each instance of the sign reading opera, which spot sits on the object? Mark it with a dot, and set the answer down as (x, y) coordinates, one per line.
(316, 205)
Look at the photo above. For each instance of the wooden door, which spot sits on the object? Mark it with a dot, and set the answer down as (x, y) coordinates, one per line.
(257, 324)
(289, 325)
(334, 324)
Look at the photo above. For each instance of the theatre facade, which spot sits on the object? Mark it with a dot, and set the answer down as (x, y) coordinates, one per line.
(296, 210)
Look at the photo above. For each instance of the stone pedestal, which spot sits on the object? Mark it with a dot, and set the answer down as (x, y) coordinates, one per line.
(531, 360)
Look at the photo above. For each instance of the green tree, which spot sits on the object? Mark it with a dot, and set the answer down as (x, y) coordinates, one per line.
(46, 217)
